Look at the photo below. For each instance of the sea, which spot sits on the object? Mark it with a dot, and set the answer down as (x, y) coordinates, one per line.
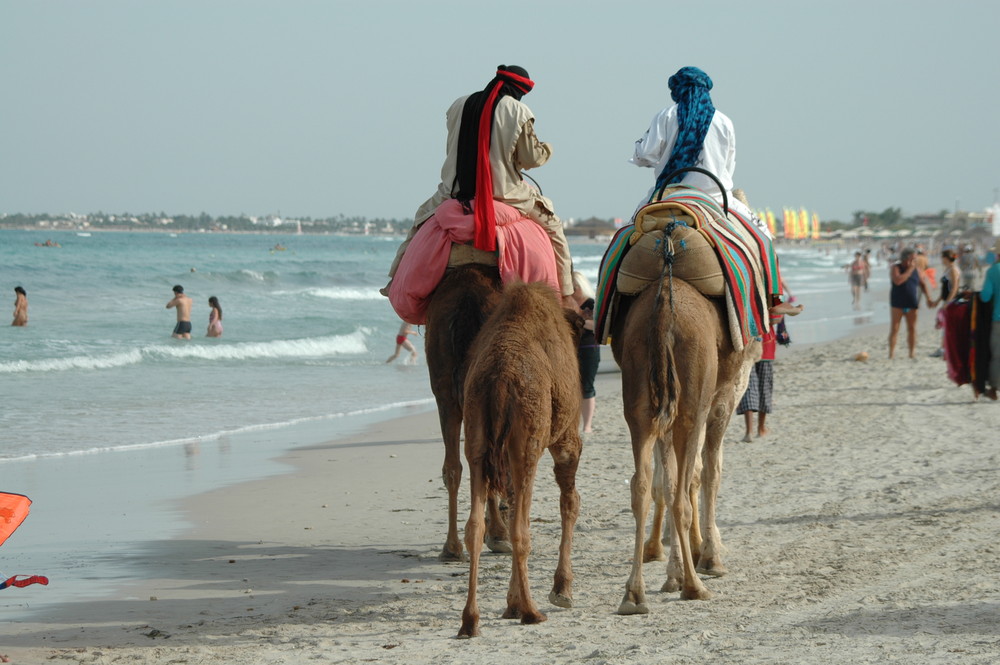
(306, 335)
(95, 380)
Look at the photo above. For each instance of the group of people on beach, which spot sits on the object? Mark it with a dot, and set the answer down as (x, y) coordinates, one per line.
(182, 303)
(959, 287)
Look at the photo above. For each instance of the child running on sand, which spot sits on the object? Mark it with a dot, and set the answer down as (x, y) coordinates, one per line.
(403, 343)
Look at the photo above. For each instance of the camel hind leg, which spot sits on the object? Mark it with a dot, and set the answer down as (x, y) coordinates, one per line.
(634, 601)
(474, 530)
(659, 531)
(519, 602)
(566, 459)
(668, 477)
(710, 559)
(497, 529)
(451, 472)
(686, 447)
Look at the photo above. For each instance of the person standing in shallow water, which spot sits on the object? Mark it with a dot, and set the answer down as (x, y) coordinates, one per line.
(182, 304)
(403, 343)
(214, 318)
(20, 307)
(856, 278)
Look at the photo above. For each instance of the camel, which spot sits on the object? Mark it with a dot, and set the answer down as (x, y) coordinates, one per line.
(681, 380)
(522, 396)
(457, 310)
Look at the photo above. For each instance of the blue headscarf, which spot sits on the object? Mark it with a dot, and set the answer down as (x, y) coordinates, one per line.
(689, 88)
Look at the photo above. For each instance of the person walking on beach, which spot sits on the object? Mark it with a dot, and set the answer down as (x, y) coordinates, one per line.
(20, 307)
(991, 292)
(588, 351)
(403, 343)
(491, 138)
(904, 299)
(214, 318)
(182, 304)
(868, 266)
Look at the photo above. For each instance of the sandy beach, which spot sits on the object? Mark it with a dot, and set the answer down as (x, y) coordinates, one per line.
(862, 530)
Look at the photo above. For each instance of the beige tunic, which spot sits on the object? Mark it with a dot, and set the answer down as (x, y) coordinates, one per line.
(513, 148)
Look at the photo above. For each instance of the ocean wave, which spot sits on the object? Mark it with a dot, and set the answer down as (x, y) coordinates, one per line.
(352, 343)
(334, 345)
(347, 293)
(74, 362)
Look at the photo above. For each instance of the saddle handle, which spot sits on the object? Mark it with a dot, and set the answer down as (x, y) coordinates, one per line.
(698, 169)
(537, 186)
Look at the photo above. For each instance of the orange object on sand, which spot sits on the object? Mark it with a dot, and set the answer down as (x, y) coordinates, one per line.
(13, 510)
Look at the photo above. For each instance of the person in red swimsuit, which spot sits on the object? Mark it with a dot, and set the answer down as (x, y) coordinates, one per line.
(403, 343)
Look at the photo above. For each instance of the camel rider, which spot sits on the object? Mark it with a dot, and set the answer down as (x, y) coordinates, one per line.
(692, 132)
(491, 138)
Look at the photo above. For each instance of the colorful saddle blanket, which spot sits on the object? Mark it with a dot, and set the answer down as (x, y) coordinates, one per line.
(746, 255)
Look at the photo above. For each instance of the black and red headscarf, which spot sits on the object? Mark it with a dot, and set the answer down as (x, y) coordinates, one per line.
(473, 168)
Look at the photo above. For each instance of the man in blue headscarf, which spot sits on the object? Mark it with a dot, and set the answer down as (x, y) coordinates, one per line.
(691, 132)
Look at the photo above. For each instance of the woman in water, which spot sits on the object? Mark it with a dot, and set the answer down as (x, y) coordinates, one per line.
(214, 318)
(20, 307)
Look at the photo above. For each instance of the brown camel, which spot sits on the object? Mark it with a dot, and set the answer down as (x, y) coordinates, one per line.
(522, 396)
(457, 310)
(681, 379)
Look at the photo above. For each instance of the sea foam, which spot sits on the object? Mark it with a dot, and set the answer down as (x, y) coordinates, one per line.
(316, 347)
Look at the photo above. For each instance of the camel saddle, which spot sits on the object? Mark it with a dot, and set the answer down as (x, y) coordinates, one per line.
(722, 255)
(462, 255)
(694, 259)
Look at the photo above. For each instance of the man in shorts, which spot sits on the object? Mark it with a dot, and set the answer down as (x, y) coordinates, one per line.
(183, 305)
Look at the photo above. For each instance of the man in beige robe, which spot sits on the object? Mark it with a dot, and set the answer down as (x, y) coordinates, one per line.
(513, 148)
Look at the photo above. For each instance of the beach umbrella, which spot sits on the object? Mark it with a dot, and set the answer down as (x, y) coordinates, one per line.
(13, 509)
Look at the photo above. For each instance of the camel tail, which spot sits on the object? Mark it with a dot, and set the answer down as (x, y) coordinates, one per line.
(497, 435)
(664, 384)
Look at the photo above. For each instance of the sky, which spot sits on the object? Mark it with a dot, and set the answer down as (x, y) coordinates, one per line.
(306, 108)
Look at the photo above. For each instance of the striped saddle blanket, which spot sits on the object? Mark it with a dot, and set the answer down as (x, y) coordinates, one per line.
(745, 253)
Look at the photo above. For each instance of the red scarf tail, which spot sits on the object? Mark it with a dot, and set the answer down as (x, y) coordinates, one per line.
(486, 225)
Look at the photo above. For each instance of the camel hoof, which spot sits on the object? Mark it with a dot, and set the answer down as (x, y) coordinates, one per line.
(696, 594)
(628, 608)
(499, 545)
(468, 631)
(560, 600)
(511, 613)
(532, 617)
(653, 553)
(451, 556)
(671, 585)
(712, 568)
